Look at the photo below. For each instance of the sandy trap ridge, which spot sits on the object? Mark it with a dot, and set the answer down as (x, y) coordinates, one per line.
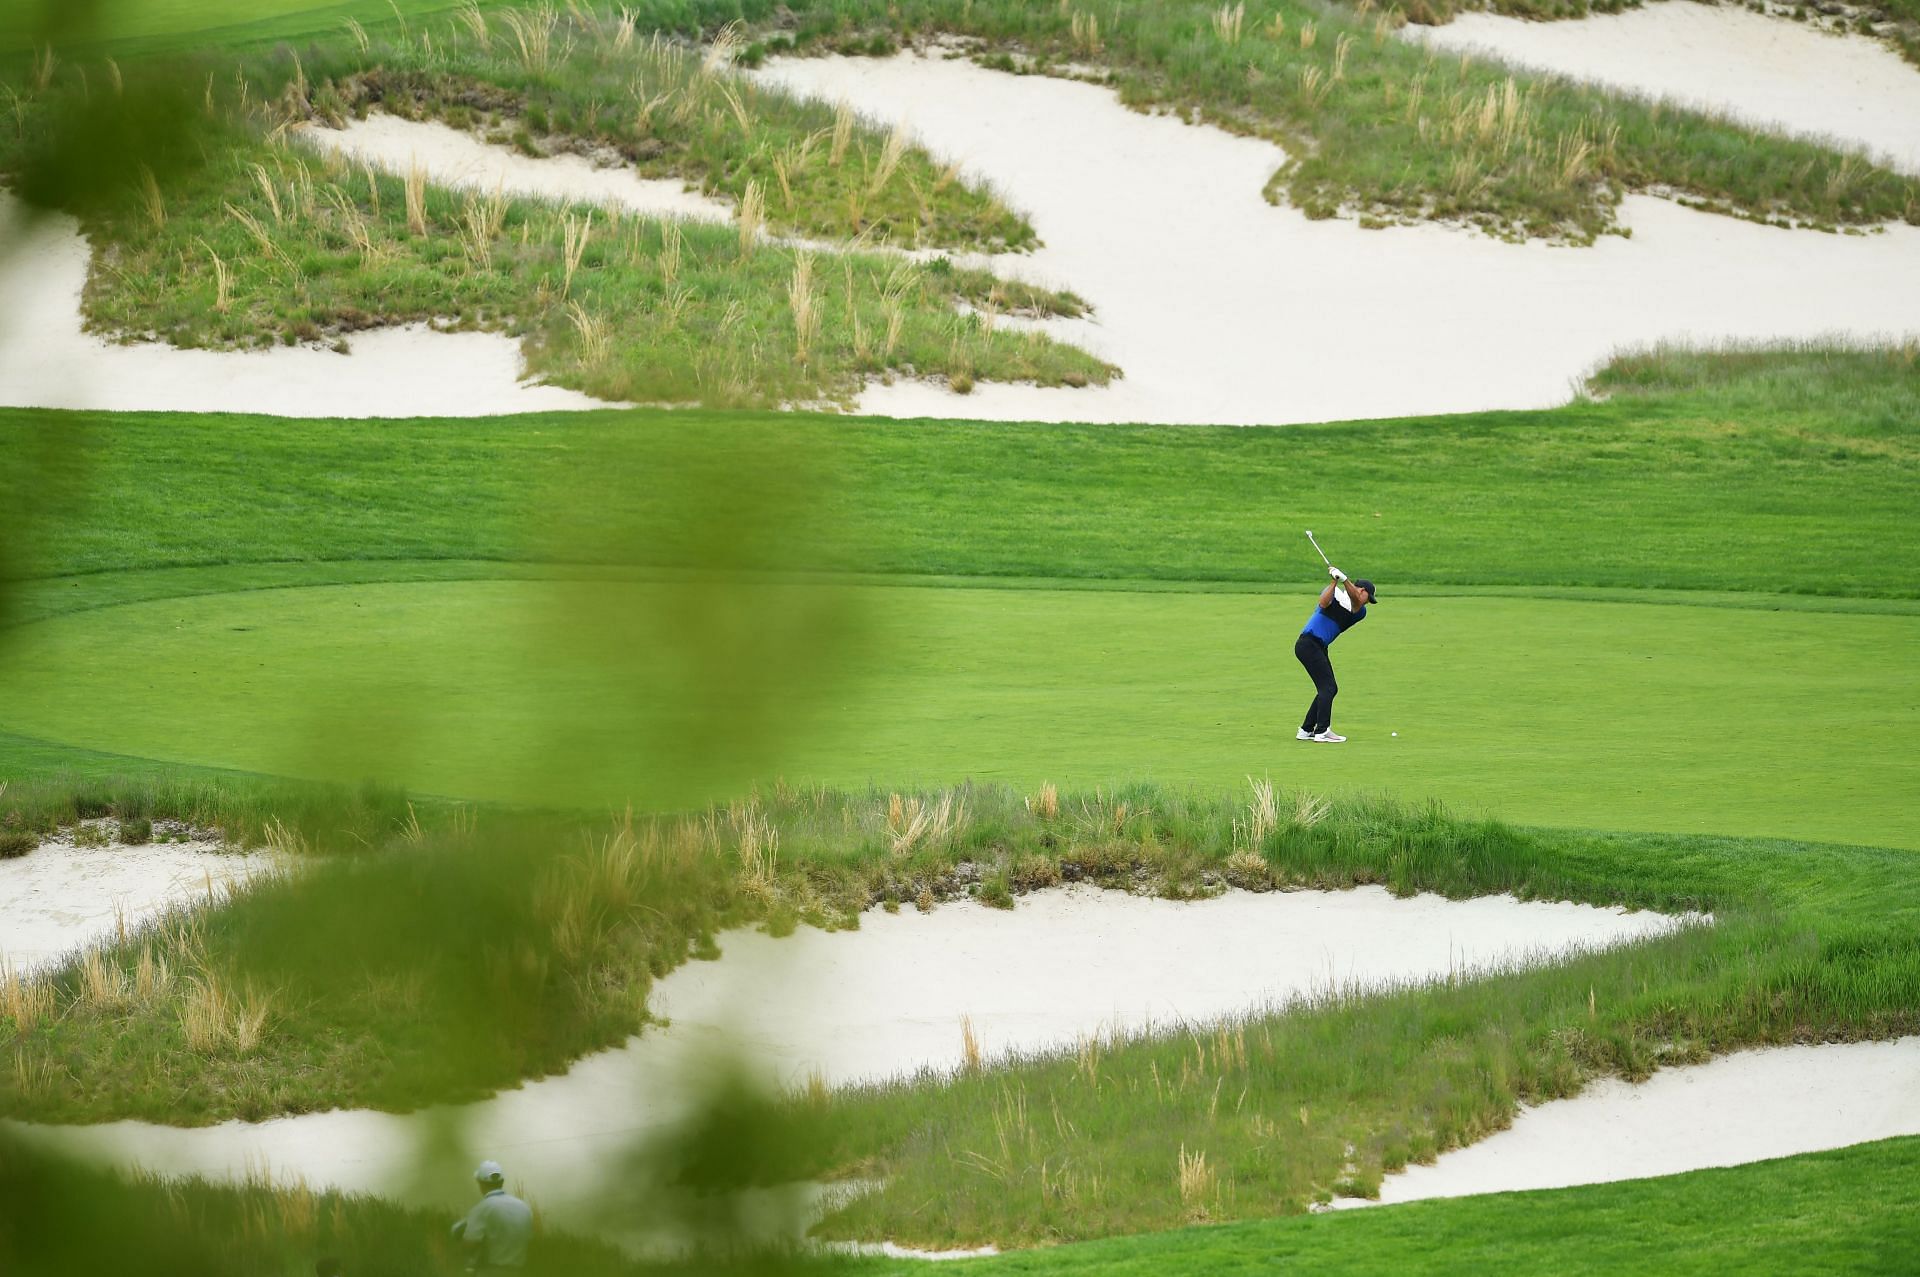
(1771, 73)
(48, 360)
(889, 999)
(60, 897)
(1221, 308)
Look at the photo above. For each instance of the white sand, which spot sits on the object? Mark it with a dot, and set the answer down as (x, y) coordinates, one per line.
(888, 999)
(48, 361)
(61, 897)
(1222, 308)
(1771, 72)
(1741, 1108)
(460, 160)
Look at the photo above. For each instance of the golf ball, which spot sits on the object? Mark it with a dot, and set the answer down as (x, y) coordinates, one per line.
(1396, 733)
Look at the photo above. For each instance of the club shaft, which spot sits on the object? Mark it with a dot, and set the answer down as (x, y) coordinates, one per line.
(1317, 550)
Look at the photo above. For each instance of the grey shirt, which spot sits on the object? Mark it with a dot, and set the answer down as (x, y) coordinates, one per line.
(498, 1229)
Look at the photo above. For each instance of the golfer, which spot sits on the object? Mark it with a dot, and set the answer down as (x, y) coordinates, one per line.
(1329, 621)
(496, 1231)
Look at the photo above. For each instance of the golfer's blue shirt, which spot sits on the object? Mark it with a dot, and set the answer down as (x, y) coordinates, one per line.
(1330, 622)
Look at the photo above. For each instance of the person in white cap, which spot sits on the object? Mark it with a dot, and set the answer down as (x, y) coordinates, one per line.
(496, 1231)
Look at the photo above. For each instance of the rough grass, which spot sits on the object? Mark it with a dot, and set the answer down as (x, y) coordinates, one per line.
(1812, 457)
(611, 88)
(1850, 1211)
(561, 927)
(246, 238)
(1376, 128)
(62, 1219)
(1388, 132)
(608, 905)
(1895, 21)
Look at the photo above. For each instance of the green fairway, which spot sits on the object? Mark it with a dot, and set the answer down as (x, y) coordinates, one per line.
(1641, 715)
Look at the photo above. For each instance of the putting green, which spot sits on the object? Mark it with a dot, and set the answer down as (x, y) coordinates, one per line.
(1611, 715)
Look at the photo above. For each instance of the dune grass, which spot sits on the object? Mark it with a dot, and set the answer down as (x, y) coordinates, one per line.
(1376, 128)
(1895, 21)
(309, 991)
(1387, 132)
(238, 235)
(555, 82)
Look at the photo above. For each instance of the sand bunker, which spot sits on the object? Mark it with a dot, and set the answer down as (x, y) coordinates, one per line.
(888, 999)
(462, 161)
(48, 361)
(1222, 308)
(1742, 1108)
(62, 897)
(1770, 72)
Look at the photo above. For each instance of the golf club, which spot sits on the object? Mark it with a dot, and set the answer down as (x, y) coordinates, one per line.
(1317, 550)
(1339, 587)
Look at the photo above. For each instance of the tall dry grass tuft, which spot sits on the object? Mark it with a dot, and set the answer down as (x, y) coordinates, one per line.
(481, 222)
(103, 985)
(532, 35)
(1085, 32)
(1263, 814)
(26, 1001)
(893, 304)
(592, 333)
(217, 1019)
(970, 1054)
(1196, 1180)
(726, 42)
(41, 70)
(1342, 47)
(1046, 802)
(152, 977)
(842, 134)
(1228, 21)
(1314, 86)
(358, 34)
(251, 224)
(804, 306)
(1309, 810)
(1086, 1059)
(473, 20)
(753, 216)
(416, 188)
(576, 233)
(151, 201)
(1308, 33)
(890, 156)
(222, 281)
(918, 822)
(672, 244)
(624, 27)
(759, 844)
(270, 192)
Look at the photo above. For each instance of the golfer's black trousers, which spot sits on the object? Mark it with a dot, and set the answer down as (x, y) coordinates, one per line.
(1313, 654)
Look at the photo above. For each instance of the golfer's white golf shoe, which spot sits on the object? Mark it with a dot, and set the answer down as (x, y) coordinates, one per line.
(1304, 734)
(1330, 738)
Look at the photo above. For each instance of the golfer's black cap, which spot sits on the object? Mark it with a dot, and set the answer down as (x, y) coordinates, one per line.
(1373, 595)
